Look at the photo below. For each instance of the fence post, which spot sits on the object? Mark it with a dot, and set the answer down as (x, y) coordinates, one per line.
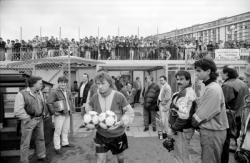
(69, 84)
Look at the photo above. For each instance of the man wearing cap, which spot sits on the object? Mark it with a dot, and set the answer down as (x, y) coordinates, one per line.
(234, 92)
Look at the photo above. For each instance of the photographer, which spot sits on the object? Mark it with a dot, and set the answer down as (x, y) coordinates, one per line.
(180, 114)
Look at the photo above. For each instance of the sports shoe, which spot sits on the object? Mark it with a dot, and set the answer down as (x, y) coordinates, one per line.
(45, 159)
(146, 129)
(68, 145)
(58, 151)
(154, 129)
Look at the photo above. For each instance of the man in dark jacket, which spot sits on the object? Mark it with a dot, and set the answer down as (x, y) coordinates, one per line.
(83, 91)
(234, 91)
(150, 94)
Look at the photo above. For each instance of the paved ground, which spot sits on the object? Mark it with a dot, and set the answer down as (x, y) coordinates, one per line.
(144, 147)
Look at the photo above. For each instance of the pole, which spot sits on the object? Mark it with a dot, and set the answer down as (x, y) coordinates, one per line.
(21, 34)
(60, 33)
(99, 56)
(79, 33)
(69, 85)
(118, 31)
(40, 32)
(138, 32)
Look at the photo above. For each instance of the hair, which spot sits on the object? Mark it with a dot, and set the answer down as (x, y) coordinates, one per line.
(101, 76)
(151, 77)
(32, 80)
(137, 78)
(207, 64)
(62, 79)
(231, 72)
(186, 74)
(86, 74)
(164, 77)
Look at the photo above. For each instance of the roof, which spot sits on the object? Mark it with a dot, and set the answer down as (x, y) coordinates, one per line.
(17, 80)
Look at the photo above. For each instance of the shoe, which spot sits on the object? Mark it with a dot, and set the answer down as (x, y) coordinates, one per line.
(58, 151)
(146, 129)
(68, 145)
(45, 159)
(164, 135)
(154, 129)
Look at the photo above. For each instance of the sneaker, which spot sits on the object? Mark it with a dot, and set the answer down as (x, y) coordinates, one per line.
(45, 159)
(164, 135)
(58, 151)
(154, 129)
(68, 145)
(146, 129)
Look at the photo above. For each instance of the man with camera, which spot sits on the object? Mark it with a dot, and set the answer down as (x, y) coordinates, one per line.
(180, 114)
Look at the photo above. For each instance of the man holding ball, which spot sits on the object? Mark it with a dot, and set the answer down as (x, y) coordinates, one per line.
(113, 138)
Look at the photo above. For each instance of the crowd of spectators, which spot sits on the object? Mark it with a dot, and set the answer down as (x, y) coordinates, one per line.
(112, 48)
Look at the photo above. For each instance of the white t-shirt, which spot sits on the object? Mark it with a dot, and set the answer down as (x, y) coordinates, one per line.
(82, 89)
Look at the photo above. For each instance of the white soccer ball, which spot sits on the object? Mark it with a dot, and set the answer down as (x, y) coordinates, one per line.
(107, 119)
(90, 119)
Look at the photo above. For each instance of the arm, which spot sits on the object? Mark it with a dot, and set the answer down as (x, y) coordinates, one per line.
(208, 107)
(128, 115)
(89, 104)
(228, 94)
(19, 110)
(167, 95)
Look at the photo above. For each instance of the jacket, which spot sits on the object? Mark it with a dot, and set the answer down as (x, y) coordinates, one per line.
(85, 92)
(151, 96)
(234, 92)
(26, 105)
(58, 95)
(211, 109)
(185, 107)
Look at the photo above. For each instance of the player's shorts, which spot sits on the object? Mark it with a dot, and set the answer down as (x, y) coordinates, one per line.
(116, 144)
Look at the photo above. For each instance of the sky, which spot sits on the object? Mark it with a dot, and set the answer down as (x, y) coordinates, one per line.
(111, 17)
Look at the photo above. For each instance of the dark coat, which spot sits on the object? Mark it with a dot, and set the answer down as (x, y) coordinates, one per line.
(85, 92)
(151, 96)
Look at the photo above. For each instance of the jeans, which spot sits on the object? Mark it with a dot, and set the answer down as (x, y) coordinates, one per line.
(149, 116)
(62, 125)
(181, 146)
(27, 128)
(212, 145)
(164, 125)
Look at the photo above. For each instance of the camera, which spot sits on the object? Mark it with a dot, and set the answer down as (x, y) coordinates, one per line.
(168, 143)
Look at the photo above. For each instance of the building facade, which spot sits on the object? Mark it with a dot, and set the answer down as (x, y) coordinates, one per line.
(225, 29)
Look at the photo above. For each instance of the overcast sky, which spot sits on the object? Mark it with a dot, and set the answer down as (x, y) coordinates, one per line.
(109, 15)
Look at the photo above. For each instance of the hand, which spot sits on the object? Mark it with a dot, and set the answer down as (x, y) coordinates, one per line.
(165, 109)
(117, 124)
(57, 113)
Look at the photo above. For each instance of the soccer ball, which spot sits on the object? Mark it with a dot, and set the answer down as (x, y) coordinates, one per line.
(107, 119)
(90, 119)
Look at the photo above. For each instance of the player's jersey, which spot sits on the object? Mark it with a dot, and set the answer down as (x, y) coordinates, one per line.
(115, 102)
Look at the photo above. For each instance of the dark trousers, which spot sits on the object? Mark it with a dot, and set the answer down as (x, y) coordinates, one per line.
(28, 126)
(225, 152)
(137, 96)
(149, 116)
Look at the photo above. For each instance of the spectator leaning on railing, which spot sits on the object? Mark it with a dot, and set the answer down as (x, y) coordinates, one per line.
(115, 47)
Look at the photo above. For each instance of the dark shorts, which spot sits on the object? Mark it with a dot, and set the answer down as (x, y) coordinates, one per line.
(116, 144)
